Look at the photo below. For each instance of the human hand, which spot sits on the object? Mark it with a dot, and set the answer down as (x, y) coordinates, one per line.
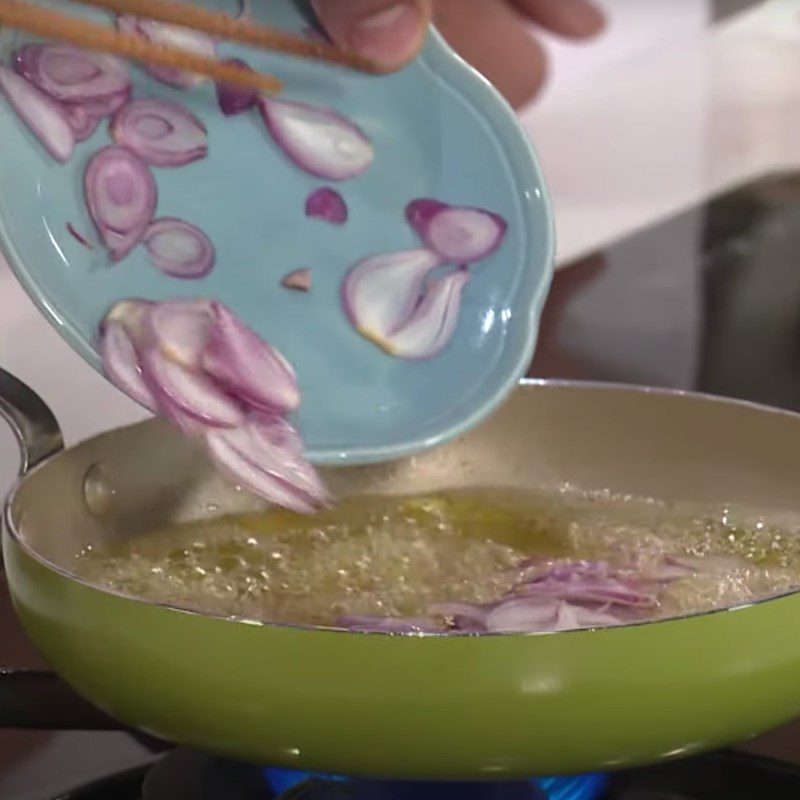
(491, 34)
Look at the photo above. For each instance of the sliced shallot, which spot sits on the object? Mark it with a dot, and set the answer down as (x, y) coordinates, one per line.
(380, 293)
(430, 328)
(576, 594)
(299, 280)
(536, 615)
(587, 591)
(274, 446)
(160, 132)
(191, 391)
(179, 249)
(369, 624)
(233, 450)
(318, 140)
(459, 234)
(72, 75)
(419, 212)
(328, 205)
(233, 100)
(107, 106)
(45, 118)
(464, 616)
(526, 615)
(154, 352)
(175, 36)
(83, 123)
(164, 326)
(274, 431)
(246, 365)
(588, 582)
(181, 328)
(121, 364)
(121, 197)
(571, 617)
(134, 315)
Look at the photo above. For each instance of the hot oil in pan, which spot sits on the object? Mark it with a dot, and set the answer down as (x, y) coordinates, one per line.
(394, 557)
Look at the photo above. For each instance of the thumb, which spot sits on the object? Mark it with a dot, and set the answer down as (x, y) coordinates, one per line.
(389, 32)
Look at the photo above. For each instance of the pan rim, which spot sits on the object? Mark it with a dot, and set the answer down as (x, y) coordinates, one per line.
(11, 530)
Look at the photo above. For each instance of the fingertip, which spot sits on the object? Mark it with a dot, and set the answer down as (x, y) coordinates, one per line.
(590, 23)
(388, 32)
(490, 36)
(573, 19)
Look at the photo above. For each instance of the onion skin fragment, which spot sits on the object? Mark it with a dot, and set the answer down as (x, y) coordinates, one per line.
(299, 280)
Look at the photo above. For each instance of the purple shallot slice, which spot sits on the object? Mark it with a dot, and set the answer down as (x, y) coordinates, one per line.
(45, 118)
(121, 197)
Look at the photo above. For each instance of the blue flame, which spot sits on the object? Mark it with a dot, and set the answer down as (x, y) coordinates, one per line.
(579, 787)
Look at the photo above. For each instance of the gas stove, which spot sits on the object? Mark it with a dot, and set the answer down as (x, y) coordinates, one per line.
(185, 775)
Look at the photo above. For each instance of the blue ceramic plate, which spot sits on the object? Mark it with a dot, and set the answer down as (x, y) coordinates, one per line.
(439, 131)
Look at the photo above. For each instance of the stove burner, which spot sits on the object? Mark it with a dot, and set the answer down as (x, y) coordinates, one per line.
(384, 790)
(290, 784)
(185, 775)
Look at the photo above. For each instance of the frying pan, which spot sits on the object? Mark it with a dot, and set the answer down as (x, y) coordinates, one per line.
(422, 707)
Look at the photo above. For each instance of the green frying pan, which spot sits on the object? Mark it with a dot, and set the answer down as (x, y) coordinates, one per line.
(427, 707)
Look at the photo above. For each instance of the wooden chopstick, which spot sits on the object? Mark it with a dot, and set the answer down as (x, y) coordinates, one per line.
(53, 24)
(237, 30)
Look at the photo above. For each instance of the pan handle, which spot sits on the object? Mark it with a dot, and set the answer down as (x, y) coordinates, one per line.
(32, 699)
(32, 421)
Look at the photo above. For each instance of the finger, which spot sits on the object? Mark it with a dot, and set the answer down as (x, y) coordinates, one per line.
(491, 36)
(389, 32)
(575, 19)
